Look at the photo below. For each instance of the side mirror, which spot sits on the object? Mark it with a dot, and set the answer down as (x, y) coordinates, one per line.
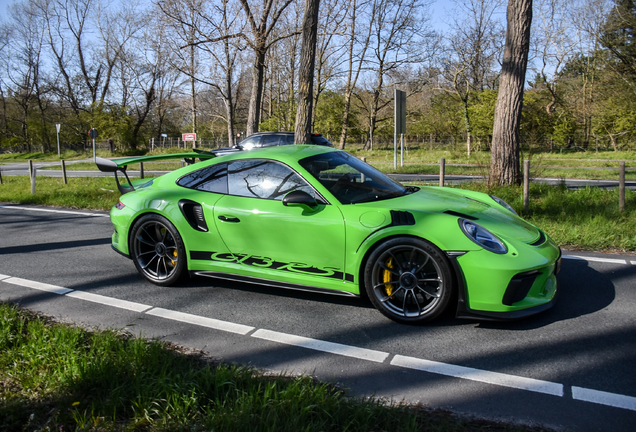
(300, 198)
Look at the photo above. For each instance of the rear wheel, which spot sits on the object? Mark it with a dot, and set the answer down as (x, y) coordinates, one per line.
(157, 249)
(408, 280)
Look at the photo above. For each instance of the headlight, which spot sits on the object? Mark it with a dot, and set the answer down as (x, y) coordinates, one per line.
(482, 236)
(503, 203)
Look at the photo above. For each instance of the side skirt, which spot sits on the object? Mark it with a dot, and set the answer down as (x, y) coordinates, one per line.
(267, 282)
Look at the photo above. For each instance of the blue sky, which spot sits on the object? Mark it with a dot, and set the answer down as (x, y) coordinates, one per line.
(437, 19)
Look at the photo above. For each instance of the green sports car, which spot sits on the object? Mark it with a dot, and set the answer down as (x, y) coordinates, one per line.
(315, 218)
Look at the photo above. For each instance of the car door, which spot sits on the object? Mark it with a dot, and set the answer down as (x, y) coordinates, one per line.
(295, 244)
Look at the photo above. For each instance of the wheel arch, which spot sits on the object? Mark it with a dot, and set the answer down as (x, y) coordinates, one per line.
(452, 264)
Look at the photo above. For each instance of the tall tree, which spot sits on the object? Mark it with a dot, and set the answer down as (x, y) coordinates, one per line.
(473, 49)
(262, 27)
(306, 73)
(504, 164)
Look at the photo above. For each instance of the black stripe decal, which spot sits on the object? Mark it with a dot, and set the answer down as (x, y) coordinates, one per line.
(265, 262)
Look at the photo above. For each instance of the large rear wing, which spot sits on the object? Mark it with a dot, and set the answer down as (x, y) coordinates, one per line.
(120, 165)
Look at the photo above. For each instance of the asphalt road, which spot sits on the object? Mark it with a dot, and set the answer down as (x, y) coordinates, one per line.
(571, 368)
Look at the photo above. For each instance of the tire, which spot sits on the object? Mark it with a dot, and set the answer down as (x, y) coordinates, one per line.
(157, 250)
(409, 280)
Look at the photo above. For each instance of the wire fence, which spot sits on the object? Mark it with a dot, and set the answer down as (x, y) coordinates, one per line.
(449, 143)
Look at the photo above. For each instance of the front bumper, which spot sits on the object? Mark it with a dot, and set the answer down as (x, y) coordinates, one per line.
(498, 287)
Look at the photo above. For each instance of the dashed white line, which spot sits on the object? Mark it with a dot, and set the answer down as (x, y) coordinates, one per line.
(461, 372)
(54, 211)
(488, 377)
(201, 321)
(604, 398)
(109, 301)
(320, 345)
(38, 285)
(594, 259)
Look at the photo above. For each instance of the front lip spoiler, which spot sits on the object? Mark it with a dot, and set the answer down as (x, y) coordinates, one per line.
(507, 316)
(120, 252)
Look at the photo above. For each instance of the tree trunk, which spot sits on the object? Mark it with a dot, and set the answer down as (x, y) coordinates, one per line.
(306, 73)
(258, 73)
(504, 164)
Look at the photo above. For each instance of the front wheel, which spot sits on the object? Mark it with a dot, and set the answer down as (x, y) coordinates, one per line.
(408, 280)
(157, 250)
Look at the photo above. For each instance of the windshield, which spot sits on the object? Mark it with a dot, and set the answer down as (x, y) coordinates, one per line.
(350, 180)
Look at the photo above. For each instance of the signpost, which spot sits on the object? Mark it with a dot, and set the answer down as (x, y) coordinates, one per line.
(189, 137)
(400, 125)
(57, 128)
(93, 134)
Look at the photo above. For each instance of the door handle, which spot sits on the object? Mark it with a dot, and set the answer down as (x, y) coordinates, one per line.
(229, 219)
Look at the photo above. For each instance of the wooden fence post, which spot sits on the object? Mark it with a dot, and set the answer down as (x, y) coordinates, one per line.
(621, 187)
(442, 171)
(141, 169)
(64, 172)
(33, 174)
(0, 175)
(526, 186)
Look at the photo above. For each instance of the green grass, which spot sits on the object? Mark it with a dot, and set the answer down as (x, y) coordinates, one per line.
(56, 377)
(94, 193)
(420, 160)
(585, 219)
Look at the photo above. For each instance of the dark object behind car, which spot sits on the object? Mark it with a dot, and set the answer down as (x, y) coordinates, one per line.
(270, 139)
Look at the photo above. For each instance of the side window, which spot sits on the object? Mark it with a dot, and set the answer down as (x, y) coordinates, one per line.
(270, 140)
(251, 142)
(257, 178)
(209, 179)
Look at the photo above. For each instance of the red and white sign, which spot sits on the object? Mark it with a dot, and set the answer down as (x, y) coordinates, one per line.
(189, 137)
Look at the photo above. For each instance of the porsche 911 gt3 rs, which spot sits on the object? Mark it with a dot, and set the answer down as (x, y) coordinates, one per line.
(315, 218)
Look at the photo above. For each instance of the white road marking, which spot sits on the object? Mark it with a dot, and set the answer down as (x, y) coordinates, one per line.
(201, 321)
(109, 301)
(461, 372)
(603, 260)
(633, 262)
(55, 211)
(488, 377)
(604, 398)
(38, 285)
(320, 345)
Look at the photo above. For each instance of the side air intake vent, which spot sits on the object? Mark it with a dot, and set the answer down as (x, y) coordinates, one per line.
(401, 218)
(193, 213)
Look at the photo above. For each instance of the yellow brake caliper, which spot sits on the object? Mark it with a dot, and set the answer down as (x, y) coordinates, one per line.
(174, 261)
(387, 277)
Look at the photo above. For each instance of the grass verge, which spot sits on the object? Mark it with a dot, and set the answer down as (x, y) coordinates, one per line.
(585, 219)
(56, 377)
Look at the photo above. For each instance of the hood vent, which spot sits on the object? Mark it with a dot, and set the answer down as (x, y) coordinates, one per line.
(461, 215)
(540, 240)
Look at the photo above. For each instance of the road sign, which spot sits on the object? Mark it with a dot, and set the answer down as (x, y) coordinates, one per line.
(92, 133)
(189, 137)
(400, 111)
